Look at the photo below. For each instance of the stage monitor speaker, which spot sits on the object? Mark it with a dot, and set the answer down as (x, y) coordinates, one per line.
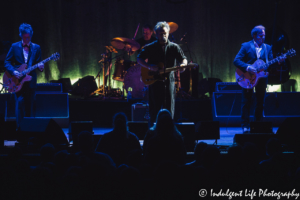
(66, 84)
(138, 128)
(261, 127)
(208, 130)
(260, 140)
(289, 131)
(76, 127)
(44, 130)
(85, 86)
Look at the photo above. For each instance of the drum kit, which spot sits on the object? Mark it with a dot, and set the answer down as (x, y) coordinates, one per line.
(125, 71)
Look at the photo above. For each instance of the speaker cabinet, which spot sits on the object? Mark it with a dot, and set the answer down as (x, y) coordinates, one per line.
(53, 105)
(139, 112)
(43, 130)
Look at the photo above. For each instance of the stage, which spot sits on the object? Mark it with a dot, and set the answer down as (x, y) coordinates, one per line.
(226, 135)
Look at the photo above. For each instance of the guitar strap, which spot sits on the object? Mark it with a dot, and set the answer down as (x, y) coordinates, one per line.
(266, 53)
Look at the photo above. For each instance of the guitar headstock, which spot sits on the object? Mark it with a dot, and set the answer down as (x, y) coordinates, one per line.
(55, 56)
(291, 52)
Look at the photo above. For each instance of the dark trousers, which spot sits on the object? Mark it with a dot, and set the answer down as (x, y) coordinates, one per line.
(157, 96)
(24, 103)
(247, 94)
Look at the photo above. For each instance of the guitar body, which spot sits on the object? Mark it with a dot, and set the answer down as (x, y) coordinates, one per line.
(14, 84)
(249, 80)
(149, 77)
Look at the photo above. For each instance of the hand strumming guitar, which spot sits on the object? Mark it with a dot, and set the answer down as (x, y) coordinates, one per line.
(17, 74)
(152, 67)
(251, 69)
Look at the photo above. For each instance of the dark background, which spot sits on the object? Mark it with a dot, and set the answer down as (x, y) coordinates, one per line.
(80, 29)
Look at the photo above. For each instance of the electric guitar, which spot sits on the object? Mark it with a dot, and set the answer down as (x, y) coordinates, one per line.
(13, 84)
(248, 80)
(149, 77)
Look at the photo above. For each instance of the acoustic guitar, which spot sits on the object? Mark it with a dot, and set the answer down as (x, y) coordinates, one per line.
(248, 80)
(13, 84)
(149, 77)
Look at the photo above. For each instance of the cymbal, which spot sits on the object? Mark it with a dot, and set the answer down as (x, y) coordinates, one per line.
(173, 26)
(121, 42)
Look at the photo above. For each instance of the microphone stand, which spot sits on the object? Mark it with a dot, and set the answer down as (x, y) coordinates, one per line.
(183, 94)
(165, 83)
(191, 80)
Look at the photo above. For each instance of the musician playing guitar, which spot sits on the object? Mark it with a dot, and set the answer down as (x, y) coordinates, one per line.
(166, 52)
(29, 53)
(248, 54)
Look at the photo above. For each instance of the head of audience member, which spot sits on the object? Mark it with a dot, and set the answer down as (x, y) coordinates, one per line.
(47, 153)
(235, 153)
(15, 153)
(120, 123)
(251, 154)
(200, 147)
(86, 141)
(273, 147)
(164, 124)
(210, 156)
(147, 31)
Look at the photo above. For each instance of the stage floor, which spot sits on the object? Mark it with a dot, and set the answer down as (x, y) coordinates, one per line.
(226, 135)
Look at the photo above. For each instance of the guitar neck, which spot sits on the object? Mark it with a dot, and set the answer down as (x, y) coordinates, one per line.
(176, 68)
(35, 66)
(266, 65)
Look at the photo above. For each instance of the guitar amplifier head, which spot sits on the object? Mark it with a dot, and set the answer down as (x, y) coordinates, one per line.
(49, 88)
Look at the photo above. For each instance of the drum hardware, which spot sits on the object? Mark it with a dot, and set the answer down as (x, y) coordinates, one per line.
(105, 61)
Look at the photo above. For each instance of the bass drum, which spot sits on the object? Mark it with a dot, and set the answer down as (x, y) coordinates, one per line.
(133, 80)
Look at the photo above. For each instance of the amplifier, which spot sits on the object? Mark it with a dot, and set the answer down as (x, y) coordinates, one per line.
(228, 104)
(48, 87)
(228, 87)
(139, 112)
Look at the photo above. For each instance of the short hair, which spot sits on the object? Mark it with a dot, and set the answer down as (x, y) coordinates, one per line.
(25, 28)
(148, 26)
(161, 25)
(257, 29)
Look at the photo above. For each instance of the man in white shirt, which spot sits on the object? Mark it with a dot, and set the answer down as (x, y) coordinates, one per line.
(248, 54)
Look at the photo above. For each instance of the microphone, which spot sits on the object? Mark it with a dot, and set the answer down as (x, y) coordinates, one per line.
(183, 36)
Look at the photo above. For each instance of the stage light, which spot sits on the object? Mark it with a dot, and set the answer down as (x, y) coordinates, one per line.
(273, 88)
